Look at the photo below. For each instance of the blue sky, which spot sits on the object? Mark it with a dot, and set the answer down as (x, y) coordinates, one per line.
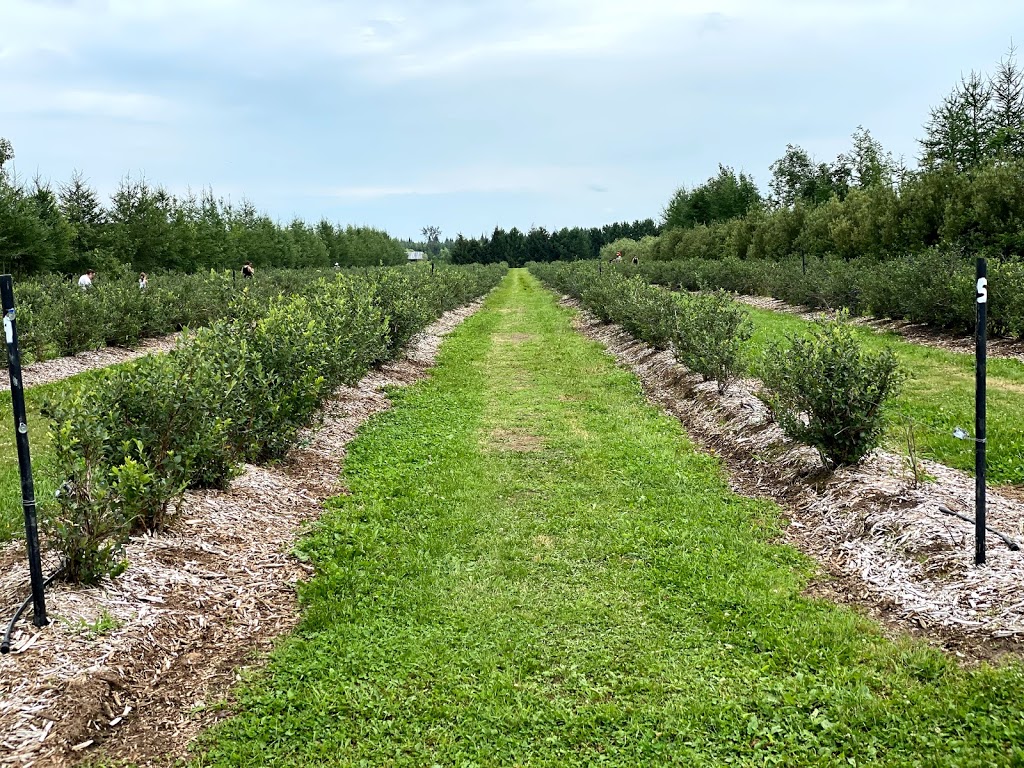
(470, 115)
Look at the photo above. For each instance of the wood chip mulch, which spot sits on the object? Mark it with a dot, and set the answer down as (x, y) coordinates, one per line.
(134, 669)
(59, 368)
(883, 541)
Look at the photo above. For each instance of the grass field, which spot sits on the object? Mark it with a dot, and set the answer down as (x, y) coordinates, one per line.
(12, 521)
(937, 398)
(536, 567)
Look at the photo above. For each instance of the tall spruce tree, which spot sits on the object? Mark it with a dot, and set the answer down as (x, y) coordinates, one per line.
(960, 131)
(81, 207)
(1008, 108)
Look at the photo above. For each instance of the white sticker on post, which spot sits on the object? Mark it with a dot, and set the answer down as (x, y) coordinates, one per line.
(8, 329)
(983, 290)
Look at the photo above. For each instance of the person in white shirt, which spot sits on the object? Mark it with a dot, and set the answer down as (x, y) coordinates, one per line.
(85, 281)
(143, 281)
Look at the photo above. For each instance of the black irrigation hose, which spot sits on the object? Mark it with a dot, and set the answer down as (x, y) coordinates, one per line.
(5, 646)
(1013, 545)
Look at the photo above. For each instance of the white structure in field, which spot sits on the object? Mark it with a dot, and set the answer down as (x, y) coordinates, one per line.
(415, 255)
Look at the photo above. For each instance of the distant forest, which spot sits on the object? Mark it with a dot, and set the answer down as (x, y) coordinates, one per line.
(516, 247)
(68, 229)
(145, 228)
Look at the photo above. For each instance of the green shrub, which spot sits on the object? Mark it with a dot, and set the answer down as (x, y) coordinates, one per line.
(642, 249)
(407, 309)
(121, 311)
(72, 320)
(1006, 297)
(88, 526)
(129, 443)
(707, 332)
(711, 330)
(826, 391)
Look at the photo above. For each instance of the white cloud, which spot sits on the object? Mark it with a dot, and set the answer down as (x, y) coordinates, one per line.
(548, 179)
(407, 38)
(84, 102)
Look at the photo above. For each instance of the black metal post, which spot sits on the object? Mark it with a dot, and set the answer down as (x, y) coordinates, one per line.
(979, 414)
(28, 493)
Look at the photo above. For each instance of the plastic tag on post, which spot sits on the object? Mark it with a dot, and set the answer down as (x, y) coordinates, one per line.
(982, 290)
(961, 434)
(9, 326)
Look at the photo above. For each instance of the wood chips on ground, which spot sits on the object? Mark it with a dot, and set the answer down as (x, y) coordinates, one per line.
(884, 541)
(61, 368)
(137, 667)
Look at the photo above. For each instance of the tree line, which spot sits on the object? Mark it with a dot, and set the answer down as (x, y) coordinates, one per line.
(68, 229)
(966, 191)
(516, 248)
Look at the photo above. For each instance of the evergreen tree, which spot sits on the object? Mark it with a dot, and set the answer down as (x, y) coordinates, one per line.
(960, 132)
(21, 231)
(1008, 108)
(212, 233)
(869, 164)
(81, 207)
(721, 198)
(6, 153)
(498, 249)
(54, 247)
(797, 178)
(140, 231)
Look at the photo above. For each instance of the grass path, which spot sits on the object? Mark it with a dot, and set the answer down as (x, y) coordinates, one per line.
(938, 397)
(535, 567)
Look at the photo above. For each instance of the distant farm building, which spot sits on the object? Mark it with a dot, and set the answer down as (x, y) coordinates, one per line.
(416, 255)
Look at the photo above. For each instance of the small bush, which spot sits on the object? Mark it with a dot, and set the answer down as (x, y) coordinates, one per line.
(711, 331)
(88, 526)
(707, 332)
(826, 391)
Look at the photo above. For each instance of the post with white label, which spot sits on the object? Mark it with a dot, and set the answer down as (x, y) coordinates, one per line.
(979, 414)
(28, 493)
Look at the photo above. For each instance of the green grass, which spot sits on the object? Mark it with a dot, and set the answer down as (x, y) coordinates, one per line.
(12, 520)
(536, 567)
(938, 397)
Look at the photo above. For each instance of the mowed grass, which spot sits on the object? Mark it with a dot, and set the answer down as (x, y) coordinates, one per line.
(937, 398)
(536, 567)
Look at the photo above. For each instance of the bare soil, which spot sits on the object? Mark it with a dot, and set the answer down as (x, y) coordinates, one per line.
(514, 440)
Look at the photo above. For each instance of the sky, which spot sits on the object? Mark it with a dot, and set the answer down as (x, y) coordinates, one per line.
(400, 114)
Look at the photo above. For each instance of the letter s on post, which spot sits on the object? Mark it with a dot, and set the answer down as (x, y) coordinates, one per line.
(983, 290)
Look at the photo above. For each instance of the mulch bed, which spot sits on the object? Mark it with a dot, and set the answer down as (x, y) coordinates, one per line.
(60, 368)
